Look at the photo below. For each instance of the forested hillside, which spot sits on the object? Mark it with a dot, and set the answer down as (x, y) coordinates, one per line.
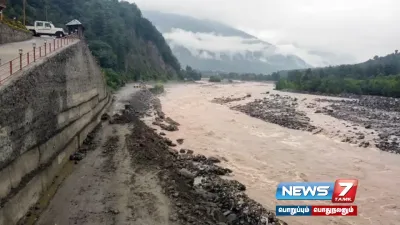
(126, 44)
(378, 76)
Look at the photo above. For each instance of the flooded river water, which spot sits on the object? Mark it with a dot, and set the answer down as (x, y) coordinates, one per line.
(262, 154)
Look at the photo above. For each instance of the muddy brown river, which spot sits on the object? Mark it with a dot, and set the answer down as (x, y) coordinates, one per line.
(262, 154)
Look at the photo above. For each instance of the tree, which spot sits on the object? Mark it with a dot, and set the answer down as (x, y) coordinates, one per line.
(380, 76)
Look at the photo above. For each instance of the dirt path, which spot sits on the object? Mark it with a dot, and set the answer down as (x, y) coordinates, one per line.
(106, 189)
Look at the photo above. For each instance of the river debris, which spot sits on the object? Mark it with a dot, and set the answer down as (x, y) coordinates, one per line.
(225, 100)
(371, 112)
(279, 110)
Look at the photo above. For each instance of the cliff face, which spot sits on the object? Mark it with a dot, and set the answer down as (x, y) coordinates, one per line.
(8, 34)
(45, 115)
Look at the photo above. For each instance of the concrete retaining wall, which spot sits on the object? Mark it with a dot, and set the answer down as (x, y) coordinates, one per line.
(45, 114)
(8, 34)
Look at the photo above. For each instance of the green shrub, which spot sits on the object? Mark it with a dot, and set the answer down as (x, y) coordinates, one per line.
(157, 89)
(215, 79)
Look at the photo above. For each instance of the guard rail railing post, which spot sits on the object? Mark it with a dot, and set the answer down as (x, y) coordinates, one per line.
(34, 52)
(20, 59)
(27, 57)
(11, 69)
(45, 48)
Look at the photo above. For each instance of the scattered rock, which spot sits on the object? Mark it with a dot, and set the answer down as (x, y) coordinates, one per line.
(186, 173)
(281, 110)
(169, 127)
(105, 116)
(190, 152)
(214, 159)
(77, 156)
(114, 211)
(180, 141)
(380, 113)
(171, 121)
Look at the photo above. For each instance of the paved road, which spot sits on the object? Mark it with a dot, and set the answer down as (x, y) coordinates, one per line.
(11, 50)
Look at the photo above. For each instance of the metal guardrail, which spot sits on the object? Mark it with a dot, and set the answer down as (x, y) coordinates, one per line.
(7, 69)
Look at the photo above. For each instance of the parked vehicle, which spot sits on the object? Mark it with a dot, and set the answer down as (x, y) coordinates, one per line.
(46, 28)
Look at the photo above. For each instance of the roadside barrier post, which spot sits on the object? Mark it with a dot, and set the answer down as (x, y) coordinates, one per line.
(27, 57)
(45, 48)
(34, 52)
(40, 51)
(20, 59)
(11, 68)
(49, 47)
(54, 48)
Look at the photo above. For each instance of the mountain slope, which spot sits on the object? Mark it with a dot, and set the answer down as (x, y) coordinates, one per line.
(123, 41)
(208, 45)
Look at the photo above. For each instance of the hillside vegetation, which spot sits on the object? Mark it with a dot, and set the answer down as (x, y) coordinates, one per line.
(378, 76)
(126, 44)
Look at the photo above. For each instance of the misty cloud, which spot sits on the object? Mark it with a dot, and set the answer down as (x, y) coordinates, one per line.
(362, 28)
(200, 44)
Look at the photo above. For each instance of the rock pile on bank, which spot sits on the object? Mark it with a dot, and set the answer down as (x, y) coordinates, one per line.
(225, 100)
(371, 112)
(277, 109)
(192, 182)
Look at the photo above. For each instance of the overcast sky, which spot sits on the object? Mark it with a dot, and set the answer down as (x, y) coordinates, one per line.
(362, 28)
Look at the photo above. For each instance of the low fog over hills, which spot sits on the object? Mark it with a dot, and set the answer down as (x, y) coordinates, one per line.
(209, 45)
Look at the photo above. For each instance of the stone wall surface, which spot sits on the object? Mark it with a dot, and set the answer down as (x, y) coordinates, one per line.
(8, 34)
(44, 116)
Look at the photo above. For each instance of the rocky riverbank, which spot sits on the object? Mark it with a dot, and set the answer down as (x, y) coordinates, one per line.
(379, 113)
(277, 109)
(192, 182)
(225, 100)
